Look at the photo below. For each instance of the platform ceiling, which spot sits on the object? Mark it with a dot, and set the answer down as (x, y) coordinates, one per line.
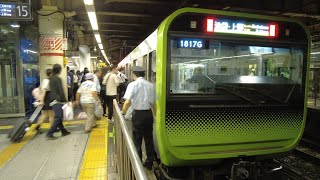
(123, 24)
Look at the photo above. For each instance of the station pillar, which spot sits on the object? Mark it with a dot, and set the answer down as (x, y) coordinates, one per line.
(51, 30)
(84, 53)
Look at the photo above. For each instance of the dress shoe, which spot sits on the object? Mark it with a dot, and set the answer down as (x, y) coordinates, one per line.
(65, 133)
(38, 129)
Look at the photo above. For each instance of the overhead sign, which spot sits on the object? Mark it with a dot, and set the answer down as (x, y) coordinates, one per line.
(245, 28)
(51, 43)
(16, 11)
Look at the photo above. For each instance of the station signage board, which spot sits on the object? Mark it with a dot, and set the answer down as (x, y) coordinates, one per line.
(240, 27)
(15, 11)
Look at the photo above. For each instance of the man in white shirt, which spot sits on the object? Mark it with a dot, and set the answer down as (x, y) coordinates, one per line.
(122, 78)
(97, 75)
(87, 95)
(141, 95)
(111, 82)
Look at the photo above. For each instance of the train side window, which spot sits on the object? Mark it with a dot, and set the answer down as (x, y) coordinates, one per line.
(135, 62)
(152, 67)
(144, 61)
(149, 66)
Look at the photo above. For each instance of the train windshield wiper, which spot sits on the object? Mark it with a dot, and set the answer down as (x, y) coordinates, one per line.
(232, 92)
(238, 95)
(266, 95)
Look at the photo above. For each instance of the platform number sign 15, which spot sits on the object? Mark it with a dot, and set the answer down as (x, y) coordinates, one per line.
(191, 43)
(22, 10)
(15, 11)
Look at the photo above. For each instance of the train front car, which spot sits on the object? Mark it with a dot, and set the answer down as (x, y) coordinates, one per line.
(231, 87)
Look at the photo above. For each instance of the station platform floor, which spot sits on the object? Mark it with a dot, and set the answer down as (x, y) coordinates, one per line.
(76, 156)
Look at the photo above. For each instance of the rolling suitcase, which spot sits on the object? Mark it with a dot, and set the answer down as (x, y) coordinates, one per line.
(22, 127)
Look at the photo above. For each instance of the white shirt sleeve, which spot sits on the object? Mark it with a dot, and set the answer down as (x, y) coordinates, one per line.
(105, 78)
(124, 77)
(45, 85)
(129, 92)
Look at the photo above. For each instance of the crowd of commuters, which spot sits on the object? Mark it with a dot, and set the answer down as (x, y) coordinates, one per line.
(90, 90)
(84, 89)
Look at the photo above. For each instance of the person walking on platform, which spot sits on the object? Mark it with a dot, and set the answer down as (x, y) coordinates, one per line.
(111, 82)
(97, 75)
(76, 83)
(70, 81)
(141, 95)
(57, 100)
(47, 111)
(84, 72)
(87, 95)
(103, 95)
(122, 78)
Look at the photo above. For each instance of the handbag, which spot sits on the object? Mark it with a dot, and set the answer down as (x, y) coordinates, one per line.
(98, 110)
(67, 111)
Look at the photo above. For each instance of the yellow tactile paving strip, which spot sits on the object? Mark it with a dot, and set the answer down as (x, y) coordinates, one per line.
(14, 148)
(5, 127)
(94, 164)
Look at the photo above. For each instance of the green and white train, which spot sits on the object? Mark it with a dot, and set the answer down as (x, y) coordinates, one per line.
(231, 87)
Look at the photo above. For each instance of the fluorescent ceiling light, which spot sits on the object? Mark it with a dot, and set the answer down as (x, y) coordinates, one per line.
(88, 2)
(316, 52)
(15, 25)
(75, 57)
(29, 51)
(102, 51)
(98, 38)
(100, 46)
(93, 20)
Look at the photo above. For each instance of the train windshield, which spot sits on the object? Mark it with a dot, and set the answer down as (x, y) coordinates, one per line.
(249, 72)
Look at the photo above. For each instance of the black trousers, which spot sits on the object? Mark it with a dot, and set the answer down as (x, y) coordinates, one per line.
(121, 90)
(58, 117)
(109, 101)
(70, 94)
(142, 121)
(103, 98)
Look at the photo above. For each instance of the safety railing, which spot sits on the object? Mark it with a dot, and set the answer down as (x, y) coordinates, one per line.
(129, 165)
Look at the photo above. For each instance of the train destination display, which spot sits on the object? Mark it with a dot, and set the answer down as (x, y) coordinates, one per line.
(238, 27)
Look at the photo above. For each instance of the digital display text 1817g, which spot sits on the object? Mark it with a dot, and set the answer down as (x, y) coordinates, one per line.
(191, 43)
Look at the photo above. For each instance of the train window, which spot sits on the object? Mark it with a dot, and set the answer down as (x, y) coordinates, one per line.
(152, 67)
(219, 65)
(144, 61)
(135, 62)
